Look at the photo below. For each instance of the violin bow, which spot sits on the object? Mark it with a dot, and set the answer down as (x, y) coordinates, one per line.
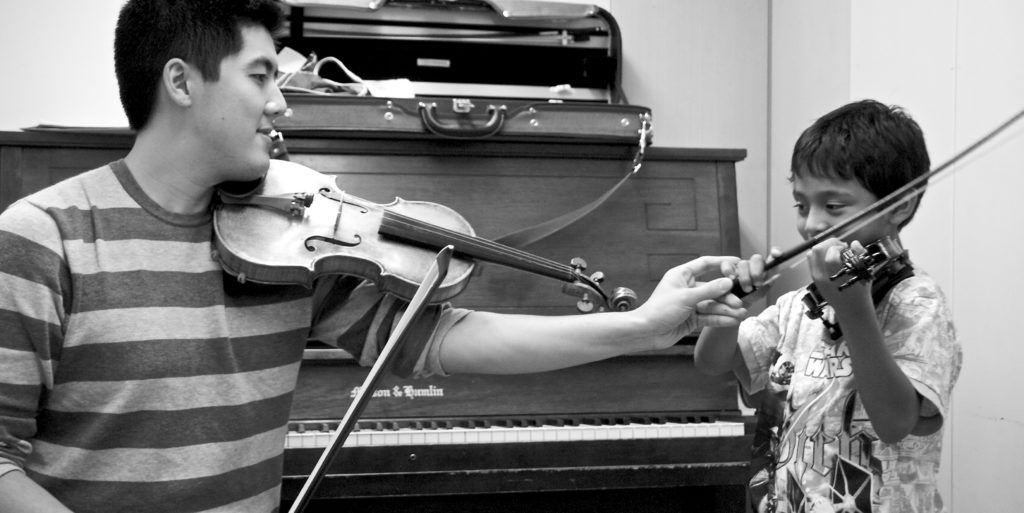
(436, 274)
(879, 208)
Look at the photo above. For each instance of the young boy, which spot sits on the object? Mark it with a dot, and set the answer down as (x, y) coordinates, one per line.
(863, 407)
(135, 375)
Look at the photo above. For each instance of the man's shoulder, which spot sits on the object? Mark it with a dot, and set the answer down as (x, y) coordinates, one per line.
(39, 215)
(83, 190)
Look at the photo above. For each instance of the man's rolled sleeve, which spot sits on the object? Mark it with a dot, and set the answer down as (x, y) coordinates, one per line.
(360, 320)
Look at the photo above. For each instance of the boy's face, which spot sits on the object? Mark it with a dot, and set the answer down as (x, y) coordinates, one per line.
(234, 114)
(822, 203)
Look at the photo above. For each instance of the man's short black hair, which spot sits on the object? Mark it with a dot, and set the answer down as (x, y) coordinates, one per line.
(878, 145)
(201, 32)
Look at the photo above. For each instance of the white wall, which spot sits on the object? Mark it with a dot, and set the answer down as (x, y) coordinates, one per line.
(701, 66)
(809, 77)
(58, 63)
(956, 67)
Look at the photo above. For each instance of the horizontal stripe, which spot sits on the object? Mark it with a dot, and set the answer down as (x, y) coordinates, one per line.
(30, 299)
(108, 291)
(124, 290)
(158, 359)
(32, 262)
(19, 367)
(150, 429)
(135, 254)
(19, 400)
(22, 332)
(174, 464)
(125, 224)
(123, 396)
(133, 324)
(26, 221)
(256, 485)
(94, 188)
(268, 501)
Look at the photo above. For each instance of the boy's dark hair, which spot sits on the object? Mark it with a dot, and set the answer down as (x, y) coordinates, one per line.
(880, 146)
(201, 32)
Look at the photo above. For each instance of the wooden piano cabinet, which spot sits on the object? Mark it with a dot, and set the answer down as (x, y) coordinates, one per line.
(30, 161)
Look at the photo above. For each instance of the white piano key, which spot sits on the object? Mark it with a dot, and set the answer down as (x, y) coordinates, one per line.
(317, 438)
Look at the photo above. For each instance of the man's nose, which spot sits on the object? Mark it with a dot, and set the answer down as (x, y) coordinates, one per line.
(277, 106)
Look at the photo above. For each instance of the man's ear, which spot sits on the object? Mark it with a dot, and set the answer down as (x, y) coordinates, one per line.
(175, 80)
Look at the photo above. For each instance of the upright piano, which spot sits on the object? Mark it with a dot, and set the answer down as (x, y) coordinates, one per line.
(645, 432)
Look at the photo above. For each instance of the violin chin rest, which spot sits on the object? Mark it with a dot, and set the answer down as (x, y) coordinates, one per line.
(239, 189)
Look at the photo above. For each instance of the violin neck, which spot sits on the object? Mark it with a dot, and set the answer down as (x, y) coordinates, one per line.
(467, 246)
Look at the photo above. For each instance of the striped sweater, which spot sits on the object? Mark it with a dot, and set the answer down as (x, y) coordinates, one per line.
(135, 375)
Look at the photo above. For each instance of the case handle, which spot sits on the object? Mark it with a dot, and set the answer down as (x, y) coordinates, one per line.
(435, 126)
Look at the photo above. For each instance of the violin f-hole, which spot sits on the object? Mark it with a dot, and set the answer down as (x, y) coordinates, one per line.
(331, 240)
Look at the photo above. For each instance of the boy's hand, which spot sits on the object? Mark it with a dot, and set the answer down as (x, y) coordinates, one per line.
(750, 274)
(825, 260)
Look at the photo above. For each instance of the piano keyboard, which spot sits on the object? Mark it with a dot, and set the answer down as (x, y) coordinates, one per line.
(389, 433)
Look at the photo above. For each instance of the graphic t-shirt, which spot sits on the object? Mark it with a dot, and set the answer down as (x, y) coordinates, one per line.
(828, 456)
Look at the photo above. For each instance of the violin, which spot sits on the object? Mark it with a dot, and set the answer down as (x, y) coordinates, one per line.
(297, 225)
(885, 263)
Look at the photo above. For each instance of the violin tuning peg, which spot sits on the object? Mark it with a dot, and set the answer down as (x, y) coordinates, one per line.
(578, 264)
(585, 305)
(597, 277)
(623, 299)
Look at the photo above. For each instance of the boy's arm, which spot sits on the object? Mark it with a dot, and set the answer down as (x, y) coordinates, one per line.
(717, 351)
(889, 398)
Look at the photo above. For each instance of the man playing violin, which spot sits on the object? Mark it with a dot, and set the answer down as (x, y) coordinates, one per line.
(135, 375)
(864, 380)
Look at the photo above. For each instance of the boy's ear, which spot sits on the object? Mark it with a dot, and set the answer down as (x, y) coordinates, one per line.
(904, 211)
(175, 81)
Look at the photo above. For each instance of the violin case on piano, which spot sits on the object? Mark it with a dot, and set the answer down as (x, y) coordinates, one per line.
(474, 69)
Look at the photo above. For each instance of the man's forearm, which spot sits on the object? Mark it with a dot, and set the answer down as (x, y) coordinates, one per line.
(489, 343)
(19, 494)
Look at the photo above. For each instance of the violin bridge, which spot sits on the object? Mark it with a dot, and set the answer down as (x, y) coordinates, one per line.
(341, 209)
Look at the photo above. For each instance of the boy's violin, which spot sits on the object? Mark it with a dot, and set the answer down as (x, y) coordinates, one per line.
(884, 263)
(296, 225)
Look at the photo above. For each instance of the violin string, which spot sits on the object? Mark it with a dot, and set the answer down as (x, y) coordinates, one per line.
(478, 242)
(494, 248)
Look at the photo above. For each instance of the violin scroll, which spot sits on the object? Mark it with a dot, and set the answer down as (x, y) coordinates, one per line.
(591, 296)
(867, 266)
(884, 263)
